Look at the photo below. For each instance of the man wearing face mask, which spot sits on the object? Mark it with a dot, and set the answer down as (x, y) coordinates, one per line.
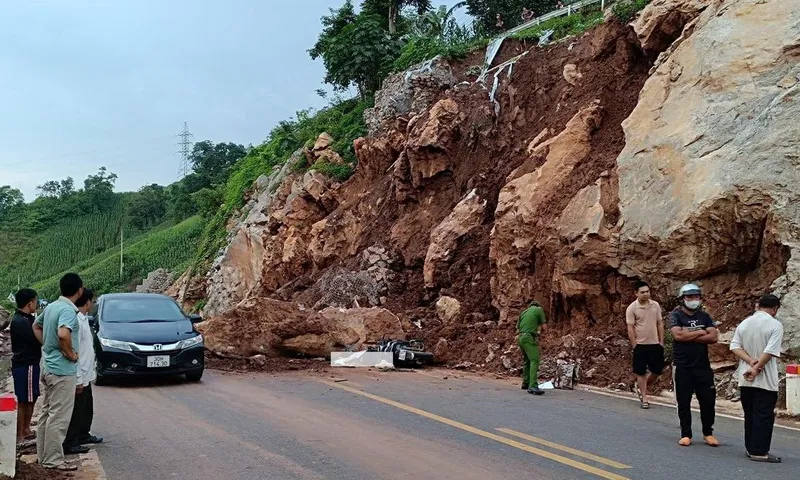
(692, 331)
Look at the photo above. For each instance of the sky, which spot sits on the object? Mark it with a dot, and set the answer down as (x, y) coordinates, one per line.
(85, 84)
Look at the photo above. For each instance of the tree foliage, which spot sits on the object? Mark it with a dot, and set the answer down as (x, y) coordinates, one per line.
(148, 207)
(360, 54)
(212, 162)
(9, 199)
(390, 10)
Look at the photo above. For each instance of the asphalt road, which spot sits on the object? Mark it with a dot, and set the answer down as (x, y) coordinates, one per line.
(404, 425)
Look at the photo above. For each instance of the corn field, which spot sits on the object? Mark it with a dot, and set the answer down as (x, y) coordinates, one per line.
(61, 247)
(171, 248)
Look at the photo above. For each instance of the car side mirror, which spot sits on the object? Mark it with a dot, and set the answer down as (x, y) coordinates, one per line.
(195, 318)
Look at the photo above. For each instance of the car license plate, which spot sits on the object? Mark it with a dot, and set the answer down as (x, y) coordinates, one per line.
(401, 355)
(158, 361)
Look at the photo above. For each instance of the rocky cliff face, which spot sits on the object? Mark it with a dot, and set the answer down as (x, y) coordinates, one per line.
(667, 152)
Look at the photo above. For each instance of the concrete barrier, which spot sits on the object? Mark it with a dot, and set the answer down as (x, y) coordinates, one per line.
(8, 435)
(793, 389)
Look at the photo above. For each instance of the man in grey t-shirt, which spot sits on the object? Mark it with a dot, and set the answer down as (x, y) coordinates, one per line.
(757, 343)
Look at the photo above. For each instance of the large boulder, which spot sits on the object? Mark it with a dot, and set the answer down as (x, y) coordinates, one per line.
(709, 180)
(464, 218)
(518, 228)
(263, 326)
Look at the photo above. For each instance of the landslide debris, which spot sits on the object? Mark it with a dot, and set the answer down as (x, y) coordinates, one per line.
(580, 173)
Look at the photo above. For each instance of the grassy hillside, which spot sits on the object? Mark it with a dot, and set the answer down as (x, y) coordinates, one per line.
(171, 248)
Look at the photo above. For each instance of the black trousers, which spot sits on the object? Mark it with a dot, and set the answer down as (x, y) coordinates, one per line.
(82, 414)
(759, 418)
(698, 381)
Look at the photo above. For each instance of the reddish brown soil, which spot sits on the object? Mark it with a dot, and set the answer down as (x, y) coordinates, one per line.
(36, 472)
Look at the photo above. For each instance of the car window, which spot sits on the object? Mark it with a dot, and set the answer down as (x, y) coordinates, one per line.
(141, 310)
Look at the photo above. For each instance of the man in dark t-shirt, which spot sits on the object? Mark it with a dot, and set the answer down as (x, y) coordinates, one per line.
(693, 330)
(27, 353)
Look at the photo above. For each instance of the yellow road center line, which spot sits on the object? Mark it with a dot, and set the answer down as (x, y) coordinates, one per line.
(556, 446)
(467, 428)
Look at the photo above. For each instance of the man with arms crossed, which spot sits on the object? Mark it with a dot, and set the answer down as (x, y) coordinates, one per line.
(646, 333)
(80, 425)
(57, 329)
(693, 330)
(757, 343)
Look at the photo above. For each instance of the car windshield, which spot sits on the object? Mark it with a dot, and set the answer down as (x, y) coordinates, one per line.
(141, 310)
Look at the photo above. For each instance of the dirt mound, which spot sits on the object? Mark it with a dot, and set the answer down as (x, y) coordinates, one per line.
(33, 471)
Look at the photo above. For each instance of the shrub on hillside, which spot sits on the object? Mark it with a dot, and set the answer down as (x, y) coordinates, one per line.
(626, 10)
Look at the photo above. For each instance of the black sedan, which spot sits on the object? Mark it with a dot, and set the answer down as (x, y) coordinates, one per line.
(145, 334)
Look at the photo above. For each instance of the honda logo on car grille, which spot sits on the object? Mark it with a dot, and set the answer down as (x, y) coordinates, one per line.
(157, 346)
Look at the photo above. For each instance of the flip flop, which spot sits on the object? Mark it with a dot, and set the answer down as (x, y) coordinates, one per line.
(769, 459)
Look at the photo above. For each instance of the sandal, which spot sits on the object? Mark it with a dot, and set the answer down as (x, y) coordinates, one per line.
(770, 458)
(645, 405)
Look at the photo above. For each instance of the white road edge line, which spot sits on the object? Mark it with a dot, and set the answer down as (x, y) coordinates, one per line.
(724, 415)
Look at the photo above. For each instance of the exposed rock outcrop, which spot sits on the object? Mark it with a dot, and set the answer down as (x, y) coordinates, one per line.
(464, 218)
(663, 21)
(709, 183)
(407, 92)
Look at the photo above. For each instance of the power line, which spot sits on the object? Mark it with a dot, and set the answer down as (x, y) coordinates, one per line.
(185, 148)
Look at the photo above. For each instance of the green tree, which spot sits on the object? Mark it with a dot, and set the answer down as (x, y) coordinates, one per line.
(390, 9)
(360, 53)
(180, 205)
(441, 24)
(332, 26)
(56, 189)
(98, 190)
(147, 207)
(212, 162)
(207, 201)
(9, 199)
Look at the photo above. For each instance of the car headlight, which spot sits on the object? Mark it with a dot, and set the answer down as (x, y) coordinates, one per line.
(190, 342)
(115, 344)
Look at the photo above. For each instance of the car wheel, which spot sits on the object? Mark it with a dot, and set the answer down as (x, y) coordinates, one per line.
(194, 376)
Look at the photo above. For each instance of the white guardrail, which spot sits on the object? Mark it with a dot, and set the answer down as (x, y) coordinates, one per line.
(568, 10)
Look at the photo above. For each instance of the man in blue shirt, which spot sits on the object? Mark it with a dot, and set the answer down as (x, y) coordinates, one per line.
(57, 330)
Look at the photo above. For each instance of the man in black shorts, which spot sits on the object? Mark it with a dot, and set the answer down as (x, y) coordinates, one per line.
(693, 330)
(646, 333)
(27, 353)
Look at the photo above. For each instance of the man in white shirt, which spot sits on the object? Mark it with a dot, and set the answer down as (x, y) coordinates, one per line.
(81, 422)
(757, 343)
